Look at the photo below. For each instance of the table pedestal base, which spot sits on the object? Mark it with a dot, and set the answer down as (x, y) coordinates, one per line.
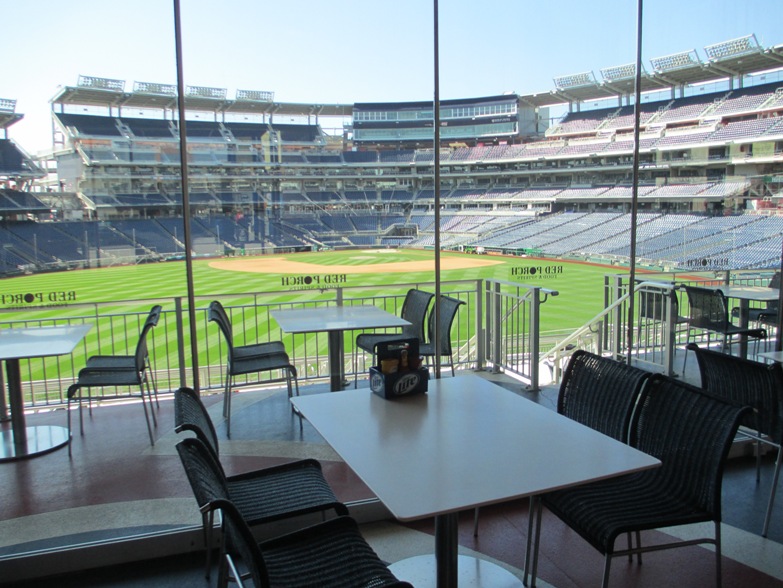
(38, 440)
(420, 571)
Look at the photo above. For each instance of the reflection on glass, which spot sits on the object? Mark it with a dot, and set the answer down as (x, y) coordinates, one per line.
(310, 133)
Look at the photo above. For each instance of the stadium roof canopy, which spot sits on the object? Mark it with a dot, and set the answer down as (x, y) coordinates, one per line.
(110, 94)
(8, 115)
(729, 59)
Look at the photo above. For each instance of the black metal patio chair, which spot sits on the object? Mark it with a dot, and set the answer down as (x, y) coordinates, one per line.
(128, 362)
(100, 375)
(691, 433)
(262, 496)
(332, 554)
(744, 382)
(599, 392)
(244, 360)
(709, 313)
(448, 312)
(414, 310)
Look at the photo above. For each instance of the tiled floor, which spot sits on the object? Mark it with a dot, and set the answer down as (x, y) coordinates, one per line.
(115, 483)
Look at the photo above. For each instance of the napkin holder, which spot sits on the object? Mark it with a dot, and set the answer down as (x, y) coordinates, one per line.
(404, 381)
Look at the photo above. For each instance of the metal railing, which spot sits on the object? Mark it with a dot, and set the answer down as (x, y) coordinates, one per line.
(498, 328)
(513, 327)
(660, 315)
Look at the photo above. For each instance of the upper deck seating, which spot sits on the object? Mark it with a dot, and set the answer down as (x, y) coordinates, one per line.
(89, 124)
(203, 129)
(247, 131)
(149, 127)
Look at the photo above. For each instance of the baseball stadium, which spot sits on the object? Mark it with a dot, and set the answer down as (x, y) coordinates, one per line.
(264, 260)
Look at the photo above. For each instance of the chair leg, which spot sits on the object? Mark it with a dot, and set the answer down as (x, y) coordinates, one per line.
(226, 396)
(207, 520)
(718, 575)
(533, 540)
(639, 545)
(149, 398)
(147, 416)
(607, 569)
(151, 376)
(475, 521)
(758, 461)
(775, 478)
(355, 366)
(68, 419)
(227, 406)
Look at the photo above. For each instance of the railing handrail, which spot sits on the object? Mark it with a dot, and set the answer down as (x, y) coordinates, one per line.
(563, 348)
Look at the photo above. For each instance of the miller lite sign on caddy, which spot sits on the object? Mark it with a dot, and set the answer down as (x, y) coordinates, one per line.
(399, 371)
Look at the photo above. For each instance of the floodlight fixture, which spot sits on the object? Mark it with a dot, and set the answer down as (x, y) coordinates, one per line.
(206, 92)
(675, 61)
(101, 83)
(574, 80)
(619, 72)
(255, 95)
(7, 105)
(733, 48)
(155, 88)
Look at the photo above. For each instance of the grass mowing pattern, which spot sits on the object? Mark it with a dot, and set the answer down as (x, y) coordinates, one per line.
(136, 288)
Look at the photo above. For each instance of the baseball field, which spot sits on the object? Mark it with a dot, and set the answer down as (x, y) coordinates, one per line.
(305, 276)
(116, 299)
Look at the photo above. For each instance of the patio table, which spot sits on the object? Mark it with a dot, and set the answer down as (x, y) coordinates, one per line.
(335, 320)
(25, 343)
(465, 443)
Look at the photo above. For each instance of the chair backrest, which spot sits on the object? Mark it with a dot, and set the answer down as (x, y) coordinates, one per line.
(242, 550)
(708, 309)
(448, 312)
(600, 393)
(744, 382)
(141, 346)
(204, 473)
(217, 314)
(691, 433)
(414, 310)
(190, 414)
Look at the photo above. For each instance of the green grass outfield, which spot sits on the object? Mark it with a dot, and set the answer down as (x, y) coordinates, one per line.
(580, 286)
(133, 289)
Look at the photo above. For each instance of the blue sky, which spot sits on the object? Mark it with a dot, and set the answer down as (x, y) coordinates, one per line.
(345, 51)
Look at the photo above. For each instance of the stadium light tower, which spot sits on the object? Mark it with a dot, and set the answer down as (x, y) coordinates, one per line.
(206, 92)
(102, 83)
(733, 48)
(255, 95)
(155, 88)
(619, 72)
(575, 80)
(675, 61)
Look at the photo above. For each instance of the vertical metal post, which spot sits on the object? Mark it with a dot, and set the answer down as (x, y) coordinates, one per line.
(183, 157)
(534, 333)
(183, 376)
(635, 188)
(480, 332)
(436, 139)
(670, 333)
(497, 326)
